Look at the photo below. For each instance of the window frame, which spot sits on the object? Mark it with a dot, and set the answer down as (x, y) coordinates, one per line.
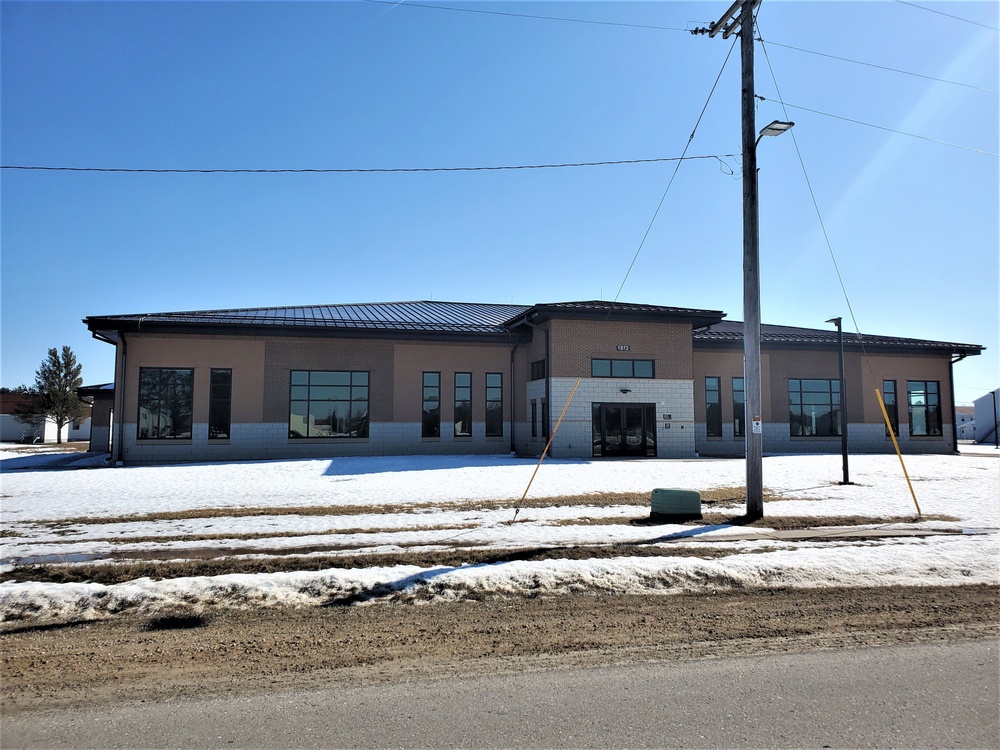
(462, 415)
(537, 370)
(220, 406)
(713, 417)
(430, 393)
(891, 402)
(833, 402)
(621, 368)
(494, 404)
(929, 409)
(358, 381)
(739, 408)
(166, 426)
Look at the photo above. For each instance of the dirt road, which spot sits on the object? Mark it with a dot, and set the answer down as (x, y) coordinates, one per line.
(127, 659)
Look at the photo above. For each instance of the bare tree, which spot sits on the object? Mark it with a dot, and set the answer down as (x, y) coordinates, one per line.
(54, 392)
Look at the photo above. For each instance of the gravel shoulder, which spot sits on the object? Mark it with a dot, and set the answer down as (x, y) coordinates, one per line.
(127, 659)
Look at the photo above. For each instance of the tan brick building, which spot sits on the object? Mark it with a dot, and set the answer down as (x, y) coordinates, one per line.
(461, 378)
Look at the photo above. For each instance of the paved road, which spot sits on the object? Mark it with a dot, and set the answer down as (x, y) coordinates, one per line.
(941, 695)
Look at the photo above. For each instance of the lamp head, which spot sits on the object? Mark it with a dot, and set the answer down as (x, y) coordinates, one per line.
(776, 128)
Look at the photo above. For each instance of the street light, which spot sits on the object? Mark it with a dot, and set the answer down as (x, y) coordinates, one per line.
(843, 400)
(751, 288)
(777, 127)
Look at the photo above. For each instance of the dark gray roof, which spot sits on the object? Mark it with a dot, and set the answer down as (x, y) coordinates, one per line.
(435, 317)
(596, 309)
(731, 332)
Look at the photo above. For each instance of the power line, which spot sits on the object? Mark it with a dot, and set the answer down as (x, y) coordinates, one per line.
(370, 170)
(880, 127)
(397, 3)
(880, 67)
(672, 176)
(948, 15)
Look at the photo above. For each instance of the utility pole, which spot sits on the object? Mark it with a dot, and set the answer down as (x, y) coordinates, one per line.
(751, 252)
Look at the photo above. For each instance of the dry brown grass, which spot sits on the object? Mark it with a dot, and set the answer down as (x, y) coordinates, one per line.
(721, 497)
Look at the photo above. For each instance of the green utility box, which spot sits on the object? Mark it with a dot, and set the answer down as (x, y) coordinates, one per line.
(675, 505)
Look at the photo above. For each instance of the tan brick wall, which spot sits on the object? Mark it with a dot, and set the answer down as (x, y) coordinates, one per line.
(725, 365)
(412, 360)
(575, 342)
(282, 355)
(902, 368)
(243, 354)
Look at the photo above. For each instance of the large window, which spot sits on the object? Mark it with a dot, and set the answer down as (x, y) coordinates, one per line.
(463, 404)
(713, 407)
(891, 406)
(431, 410)
(538, 369)
(739, 409)
(327, 404)
(494, 404)
(814, 408)
(220, 403)
(621, 368)
(923, 399)
(165, 403)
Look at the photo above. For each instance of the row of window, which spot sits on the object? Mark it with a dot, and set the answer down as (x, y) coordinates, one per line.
(814, 407)
(166, 403)
(331, 404)
(462, 414)
(322, 404)
(605, 368)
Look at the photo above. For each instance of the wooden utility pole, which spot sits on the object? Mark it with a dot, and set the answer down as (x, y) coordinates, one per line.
(751, 253)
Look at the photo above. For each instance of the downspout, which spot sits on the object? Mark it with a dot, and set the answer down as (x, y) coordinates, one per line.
(120, 391)
(996, 430)
(513, 399)
(954, 415)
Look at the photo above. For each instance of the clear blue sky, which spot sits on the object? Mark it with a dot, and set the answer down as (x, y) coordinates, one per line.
(912, 222)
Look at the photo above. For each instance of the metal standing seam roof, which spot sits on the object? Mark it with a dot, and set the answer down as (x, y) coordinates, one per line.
(454, 317)
(732, 331)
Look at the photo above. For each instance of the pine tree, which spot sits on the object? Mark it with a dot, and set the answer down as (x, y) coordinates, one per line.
(56, 381)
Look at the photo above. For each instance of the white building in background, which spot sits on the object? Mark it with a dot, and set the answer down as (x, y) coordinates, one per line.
(41, 431)
(986, 413)
(965, 422)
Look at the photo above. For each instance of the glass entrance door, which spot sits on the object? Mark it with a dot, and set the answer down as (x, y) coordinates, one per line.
(624, 430)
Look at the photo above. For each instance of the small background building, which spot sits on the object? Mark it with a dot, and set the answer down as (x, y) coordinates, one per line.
(987, 412)
(41, 431)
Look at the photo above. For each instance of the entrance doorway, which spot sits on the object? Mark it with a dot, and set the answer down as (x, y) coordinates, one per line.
(624, 430)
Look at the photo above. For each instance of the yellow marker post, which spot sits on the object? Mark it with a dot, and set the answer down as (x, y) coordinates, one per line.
(546, 449)
(892, 434)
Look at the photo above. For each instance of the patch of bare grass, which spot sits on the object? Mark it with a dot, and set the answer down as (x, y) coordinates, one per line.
(718, 496)
(123, 572)
(768, 522)
(249, 536)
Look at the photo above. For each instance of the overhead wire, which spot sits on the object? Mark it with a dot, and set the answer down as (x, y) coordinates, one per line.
(368, 170)
(879, 67)
(674, 175)
(947, 15)
(819, 214)
(397, 3)
(784, 104)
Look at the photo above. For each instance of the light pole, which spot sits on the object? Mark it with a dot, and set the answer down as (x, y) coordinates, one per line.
(751, 299)
(843, 401)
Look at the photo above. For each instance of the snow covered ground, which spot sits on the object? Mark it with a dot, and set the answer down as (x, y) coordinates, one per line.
(61, 507)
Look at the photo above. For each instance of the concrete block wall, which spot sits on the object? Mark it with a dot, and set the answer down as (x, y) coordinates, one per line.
(269, 440)
(675, 398)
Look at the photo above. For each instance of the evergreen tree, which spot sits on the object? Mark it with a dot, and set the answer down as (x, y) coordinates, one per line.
(56, 381)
